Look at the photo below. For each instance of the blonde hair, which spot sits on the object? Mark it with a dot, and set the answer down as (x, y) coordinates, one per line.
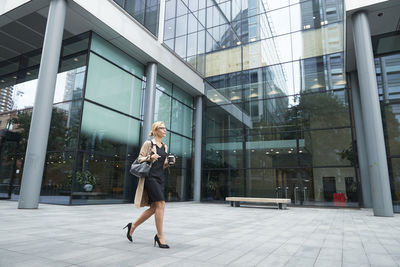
(155, 127)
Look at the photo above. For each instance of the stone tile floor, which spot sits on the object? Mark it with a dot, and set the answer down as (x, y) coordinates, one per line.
(200, 234)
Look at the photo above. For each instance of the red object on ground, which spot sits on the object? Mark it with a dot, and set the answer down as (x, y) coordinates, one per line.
(339, 199)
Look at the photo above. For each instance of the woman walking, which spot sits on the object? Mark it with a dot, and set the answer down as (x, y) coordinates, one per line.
(150, 190)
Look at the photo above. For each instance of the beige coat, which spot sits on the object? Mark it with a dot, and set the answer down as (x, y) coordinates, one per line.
(141, 197)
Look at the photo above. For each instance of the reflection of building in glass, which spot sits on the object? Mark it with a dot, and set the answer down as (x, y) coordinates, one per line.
(6, 101)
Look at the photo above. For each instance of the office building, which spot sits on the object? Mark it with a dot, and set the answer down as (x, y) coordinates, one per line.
(261, 98)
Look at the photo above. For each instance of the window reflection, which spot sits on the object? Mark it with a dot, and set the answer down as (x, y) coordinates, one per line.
(146, 12)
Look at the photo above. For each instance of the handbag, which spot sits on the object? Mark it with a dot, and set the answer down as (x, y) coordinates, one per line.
(141, 169)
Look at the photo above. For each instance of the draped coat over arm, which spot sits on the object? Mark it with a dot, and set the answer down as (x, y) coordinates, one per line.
(141, 197)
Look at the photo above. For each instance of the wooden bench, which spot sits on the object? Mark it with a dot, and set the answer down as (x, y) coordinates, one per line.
(235, 201)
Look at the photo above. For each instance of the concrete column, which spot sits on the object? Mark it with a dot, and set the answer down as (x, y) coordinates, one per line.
(161, 22)
(149, 100)
(41, 115)
(197, 148)
(371, 113)
(361, 145)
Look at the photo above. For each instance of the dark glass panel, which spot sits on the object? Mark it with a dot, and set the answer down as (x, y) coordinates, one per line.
(64, 126)
(120, 2)
(388, 77)
(179, 184)
(391, 124)
(224, 152)
(328, 148)
(136, 9)
(218, 184)
(58, 176)
(151, 16)
(394, 173)
(322, 110)
(72, 47)
(102, 179)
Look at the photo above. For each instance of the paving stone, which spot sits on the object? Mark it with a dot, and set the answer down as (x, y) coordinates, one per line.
(200, 234)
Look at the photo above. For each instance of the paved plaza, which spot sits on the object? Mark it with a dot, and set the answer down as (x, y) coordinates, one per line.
(200, 234)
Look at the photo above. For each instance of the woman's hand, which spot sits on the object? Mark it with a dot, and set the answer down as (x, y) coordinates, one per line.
(154, 157)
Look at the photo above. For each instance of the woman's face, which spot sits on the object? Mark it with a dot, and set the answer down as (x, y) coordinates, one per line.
(161, 131)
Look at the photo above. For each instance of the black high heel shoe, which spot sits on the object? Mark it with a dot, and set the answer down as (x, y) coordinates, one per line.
(159, 243)
(129, 225)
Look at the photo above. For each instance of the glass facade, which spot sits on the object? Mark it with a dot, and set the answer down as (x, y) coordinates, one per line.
(387, 63)
(277, 118)
(95, 127)
(18, 83)
(175, 108)
(146, 12)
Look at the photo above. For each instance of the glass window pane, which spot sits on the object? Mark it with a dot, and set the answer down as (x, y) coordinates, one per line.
(136, 9)
(181, 147)
(170, 9)
(279, 21)
(273, 4)
(57, 178)
(106, 131)
(394, 172)
(317, 42)
(192, 23)
(180, 46)
(151, 16)
(75, 47)
(169, 29)
(181, 8)
(182, 96)
(328, 148)
(392, 128)
(182, 119)
(323, 110)
(192, 44)
(113, 87)
(64, 126)
(267, 52)
(232, 58)
(162, 110)
(164, 85)
(69, 85)
(107, 50)
(224, 152)
(181, 25)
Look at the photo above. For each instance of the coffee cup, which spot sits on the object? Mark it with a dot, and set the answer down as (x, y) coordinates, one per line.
(171, 159)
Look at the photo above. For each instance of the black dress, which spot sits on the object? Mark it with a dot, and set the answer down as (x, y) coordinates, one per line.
(154, 183)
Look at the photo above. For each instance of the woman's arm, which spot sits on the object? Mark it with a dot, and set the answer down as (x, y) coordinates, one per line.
(166, 164)
(144, 154)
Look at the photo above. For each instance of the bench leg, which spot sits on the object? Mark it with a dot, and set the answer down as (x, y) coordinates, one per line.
(282, 206)
(235, 203)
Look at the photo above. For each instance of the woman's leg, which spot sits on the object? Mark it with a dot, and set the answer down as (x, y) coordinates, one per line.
(159, 216)
(143, 217)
